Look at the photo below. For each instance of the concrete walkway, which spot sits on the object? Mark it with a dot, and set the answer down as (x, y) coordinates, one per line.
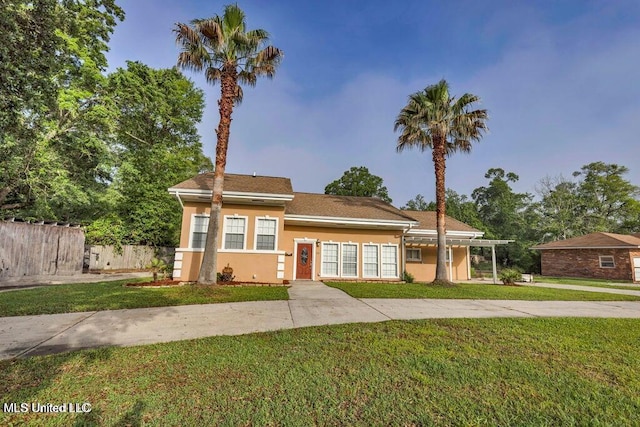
(311, 303)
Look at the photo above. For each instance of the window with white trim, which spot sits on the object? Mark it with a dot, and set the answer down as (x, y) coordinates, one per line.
(369, 260)
(234, 232)
(414, 255)
(330, 259)
(389, 260)
(607, 261)
(349, 260)
(199, 226)
(266, 234)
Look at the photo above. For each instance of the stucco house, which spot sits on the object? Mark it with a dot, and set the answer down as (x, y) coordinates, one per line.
(595, 255)
(269, 233)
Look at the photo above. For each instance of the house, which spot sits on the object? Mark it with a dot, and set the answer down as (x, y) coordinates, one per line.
(596, 255)
(269, 233)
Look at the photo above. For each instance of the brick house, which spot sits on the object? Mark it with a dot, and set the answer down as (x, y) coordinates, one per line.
(595, 256)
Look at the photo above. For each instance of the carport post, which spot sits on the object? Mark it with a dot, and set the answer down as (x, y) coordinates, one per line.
(493, 264)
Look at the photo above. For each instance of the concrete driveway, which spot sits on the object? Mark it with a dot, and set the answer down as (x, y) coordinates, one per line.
(310, 304)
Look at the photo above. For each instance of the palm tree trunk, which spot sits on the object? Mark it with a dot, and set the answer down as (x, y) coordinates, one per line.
(439, 165)
(208, 268)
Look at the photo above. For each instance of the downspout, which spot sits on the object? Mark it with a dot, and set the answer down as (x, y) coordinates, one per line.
(180, 200)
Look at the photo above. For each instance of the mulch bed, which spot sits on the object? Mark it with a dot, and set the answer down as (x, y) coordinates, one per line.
(170, 283)
(158, 284)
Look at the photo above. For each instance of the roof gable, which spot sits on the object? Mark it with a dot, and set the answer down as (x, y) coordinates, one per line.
(427, 220)
(594, 240)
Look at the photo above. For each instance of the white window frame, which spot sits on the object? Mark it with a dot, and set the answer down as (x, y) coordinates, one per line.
(613, 261)
(255, 233)
(377, 246)
(322, 259)
(418, 259)
(380, 269)
(224, 232)
(192, 230)
(341, 259)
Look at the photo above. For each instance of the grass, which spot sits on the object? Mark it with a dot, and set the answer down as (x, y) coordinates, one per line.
(445, 372)
(587, 282)
(472, 291)
(114, 296)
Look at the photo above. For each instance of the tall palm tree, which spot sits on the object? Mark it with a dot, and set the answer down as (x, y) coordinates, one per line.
(433, 119)
(230, 54)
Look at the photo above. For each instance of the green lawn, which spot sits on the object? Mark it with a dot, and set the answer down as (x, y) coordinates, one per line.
(472, 291)
(587, 282)
(446, 372)
(114, 296)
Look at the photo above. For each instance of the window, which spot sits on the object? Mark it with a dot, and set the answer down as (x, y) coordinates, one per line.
(607, 261)
(414, 254)
(330, 259)
(199, 224)
(266, 234)
(389, 261)
(349, 260)
(234, 231)
(370, 260)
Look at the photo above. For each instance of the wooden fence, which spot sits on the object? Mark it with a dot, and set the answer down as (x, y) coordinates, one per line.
(128, 257)
(34, 249)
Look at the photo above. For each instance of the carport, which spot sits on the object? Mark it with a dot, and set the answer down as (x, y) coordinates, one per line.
(413, 242)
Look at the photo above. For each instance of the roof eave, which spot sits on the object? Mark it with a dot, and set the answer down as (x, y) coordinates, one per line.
(327, 220)
(232, 195)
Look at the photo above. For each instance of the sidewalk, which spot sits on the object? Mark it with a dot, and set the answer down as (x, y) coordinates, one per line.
(14, 283)
(311, 303)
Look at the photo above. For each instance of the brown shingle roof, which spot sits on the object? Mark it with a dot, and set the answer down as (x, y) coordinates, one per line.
(240, 183)
(427, 221)
(594, 240)
(312, 204)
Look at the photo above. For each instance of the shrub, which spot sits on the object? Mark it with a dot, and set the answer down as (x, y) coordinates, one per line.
(408, 277)
(158, 266)
(509, 276)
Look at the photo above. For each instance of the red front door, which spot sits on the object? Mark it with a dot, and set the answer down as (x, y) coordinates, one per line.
(304, 261)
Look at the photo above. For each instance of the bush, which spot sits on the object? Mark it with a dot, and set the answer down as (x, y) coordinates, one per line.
(408, 277)
(510, 276)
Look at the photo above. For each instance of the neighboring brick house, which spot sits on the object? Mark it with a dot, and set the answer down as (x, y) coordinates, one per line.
(269, 233)
(597, 255)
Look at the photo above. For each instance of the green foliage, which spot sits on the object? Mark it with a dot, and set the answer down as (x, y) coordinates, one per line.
(510, 276)
(158, 266)
(358, 181)
(408, 277)
(419, 204)
(58, 163)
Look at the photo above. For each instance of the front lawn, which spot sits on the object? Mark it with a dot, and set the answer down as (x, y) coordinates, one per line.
(616, 284)
(114, 296)
(472, 291)
(543, 372)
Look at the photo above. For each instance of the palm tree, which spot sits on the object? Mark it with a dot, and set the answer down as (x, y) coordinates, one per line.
(432, 119)
(228, 53)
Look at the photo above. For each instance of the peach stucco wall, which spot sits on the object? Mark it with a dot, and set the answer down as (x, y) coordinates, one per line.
(264, 266)
(425, 270)
(336, 235)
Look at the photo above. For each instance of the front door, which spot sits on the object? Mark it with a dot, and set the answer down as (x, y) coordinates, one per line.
(304, 261)
(636, 269)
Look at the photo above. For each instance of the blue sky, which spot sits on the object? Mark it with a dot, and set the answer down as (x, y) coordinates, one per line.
(560, 79)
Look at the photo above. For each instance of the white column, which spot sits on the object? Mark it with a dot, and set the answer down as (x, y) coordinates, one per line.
(468, 262)
(493, 262)
(450, 263)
